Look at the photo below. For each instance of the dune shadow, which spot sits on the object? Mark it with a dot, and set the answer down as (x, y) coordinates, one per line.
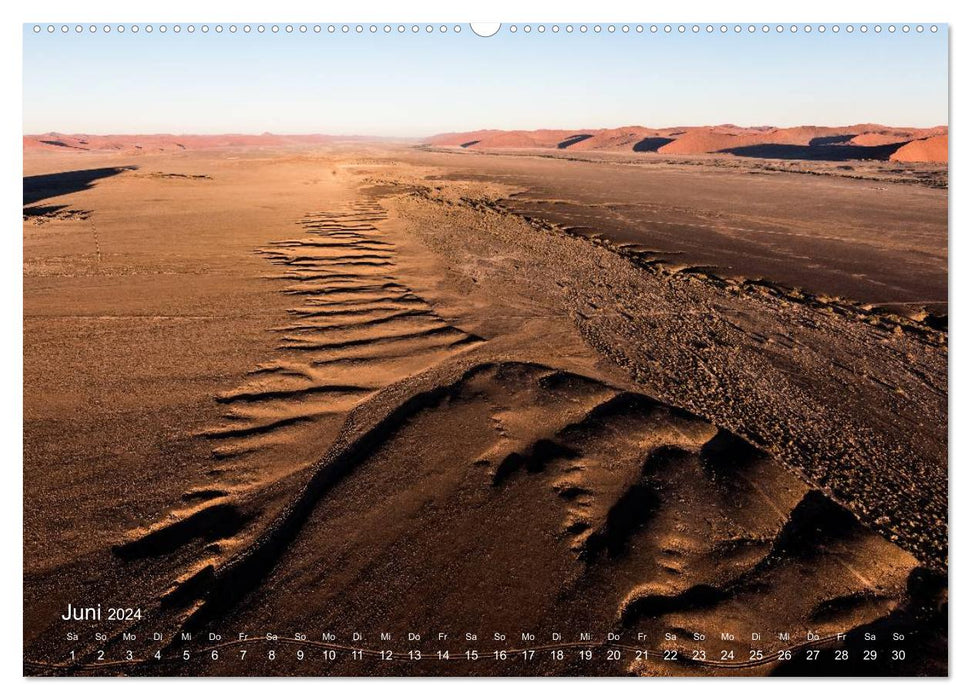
(572, 140)
(826, 151)
(467, 144)
(651, 144)
(62, 144)
(38, 187)
(43, 211)
(828, 140)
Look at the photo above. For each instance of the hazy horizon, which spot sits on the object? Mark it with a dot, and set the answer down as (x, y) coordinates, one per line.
(417, 85)
(395, 137)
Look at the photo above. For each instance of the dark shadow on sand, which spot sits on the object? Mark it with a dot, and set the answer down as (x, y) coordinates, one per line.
(43, 211)
(62, 144)
(651, 144)
(830, 140)
(834, 152)
(38, 187)
(576, 138)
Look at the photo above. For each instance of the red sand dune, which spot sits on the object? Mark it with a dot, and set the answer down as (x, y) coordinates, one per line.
(492, 138)
(709, 140)
(855, 139)
(883, 136)
(624, 139)
(931, 150)
(879, 138)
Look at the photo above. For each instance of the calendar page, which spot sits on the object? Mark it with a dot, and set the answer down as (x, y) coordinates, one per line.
(511, 349)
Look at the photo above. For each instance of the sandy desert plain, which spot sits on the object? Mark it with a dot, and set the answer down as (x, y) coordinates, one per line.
(323, 386)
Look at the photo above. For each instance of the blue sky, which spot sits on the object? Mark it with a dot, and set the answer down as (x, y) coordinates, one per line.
(421, 84)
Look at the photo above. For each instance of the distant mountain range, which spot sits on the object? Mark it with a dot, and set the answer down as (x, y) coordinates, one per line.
(859, 141)
(154, 143)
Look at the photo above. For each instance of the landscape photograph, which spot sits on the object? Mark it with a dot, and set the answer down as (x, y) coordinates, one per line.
(417, 350)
